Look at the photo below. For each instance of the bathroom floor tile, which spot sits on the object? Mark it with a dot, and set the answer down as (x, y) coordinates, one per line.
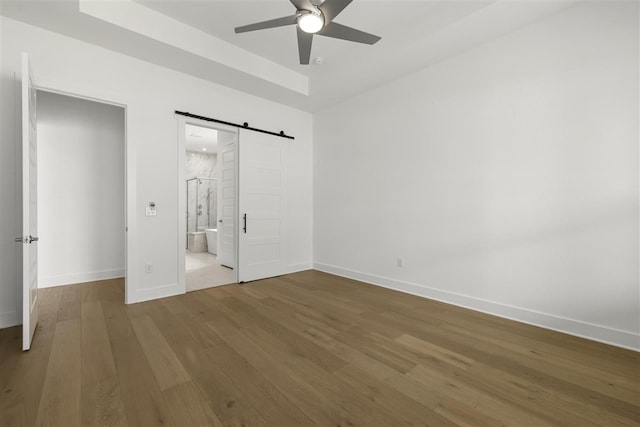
(203, 271)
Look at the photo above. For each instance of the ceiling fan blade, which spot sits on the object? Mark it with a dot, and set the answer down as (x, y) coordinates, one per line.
(304, 46)
(339, 31)
(331, 8)
(302, 4)
(279, 22)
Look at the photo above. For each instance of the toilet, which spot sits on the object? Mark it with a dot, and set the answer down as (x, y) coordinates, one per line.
(212, 240)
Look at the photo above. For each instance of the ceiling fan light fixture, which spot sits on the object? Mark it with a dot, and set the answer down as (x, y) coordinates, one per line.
(314, 17)
(311, 22)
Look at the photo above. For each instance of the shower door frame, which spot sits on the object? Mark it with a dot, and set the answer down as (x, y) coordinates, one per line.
(197, 197)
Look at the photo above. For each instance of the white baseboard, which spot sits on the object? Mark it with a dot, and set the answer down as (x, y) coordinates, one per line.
(10, 318)
(565, 325)
(296, 268)
(70, 279)
(148, 294)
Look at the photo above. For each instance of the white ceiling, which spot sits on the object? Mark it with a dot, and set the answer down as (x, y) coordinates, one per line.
(197, 37)
(201, 139)
(219, 18)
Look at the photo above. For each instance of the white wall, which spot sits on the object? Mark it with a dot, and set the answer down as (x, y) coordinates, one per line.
(8, 225)
(506, 177)
(80, 190)
(151, 94)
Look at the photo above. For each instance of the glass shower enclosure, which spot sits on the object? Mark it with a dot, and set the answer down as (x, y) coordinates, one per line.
(202, 197)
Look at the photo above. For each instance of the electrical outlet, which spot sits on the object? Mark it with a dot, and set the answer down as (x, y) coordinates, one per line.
(148, 268)
(400, 262)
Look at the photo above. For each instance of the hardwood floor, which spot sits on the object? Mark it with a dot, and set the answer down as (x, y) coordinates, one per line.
(303, 350)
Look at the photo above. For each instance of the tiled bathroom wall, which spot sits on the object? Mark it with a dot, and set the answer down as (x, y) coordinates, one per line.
(204, 208)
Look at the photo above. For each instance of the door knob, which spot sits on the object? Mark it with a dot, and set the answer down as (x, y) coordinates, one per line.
(27, 239)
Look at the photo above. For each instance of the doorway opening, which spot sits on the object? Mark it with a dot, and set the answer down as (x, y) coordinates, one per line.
(208, 204)
(81, 185)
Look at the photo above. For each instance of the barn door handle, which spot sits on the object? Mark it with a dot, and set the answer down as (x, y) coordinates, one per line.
(245, 223)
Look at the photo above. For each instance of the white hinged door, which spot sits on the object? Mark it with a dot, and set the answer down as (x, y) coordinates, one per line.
(29, 237)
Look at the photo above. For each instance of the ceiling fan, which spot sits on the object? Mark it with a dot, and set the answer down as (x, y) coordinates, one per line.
(314, 17)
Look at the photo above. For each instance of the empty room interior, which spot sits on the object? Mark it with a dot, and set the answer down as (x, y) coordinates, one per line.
(294, 213)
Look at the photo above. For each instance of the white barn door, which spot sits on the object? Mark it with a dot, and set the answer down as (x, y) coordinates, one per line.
(261, 217)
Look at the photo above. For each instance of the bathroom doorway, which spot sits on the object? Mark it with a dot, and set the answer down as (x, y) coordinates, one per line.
(209, 198)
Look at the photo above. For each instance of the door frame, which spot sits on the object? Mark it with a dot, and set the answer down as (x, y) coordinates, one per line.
(182, 194)
(131, 229)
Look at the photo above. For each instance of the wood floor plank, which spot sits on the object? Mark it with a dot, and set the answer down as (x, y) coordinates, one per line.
(622, 387)
(492, 355)
(565, 382)
(357, 357)
(116, 319)
(313, 404)
(141, 395)
(325, 387)
(274, 407)
(456, 387)
(376, 348)
(384, 394)
(14, 415)
(308, 305)
(374, 368)
(97, 359)
(91, 291)
(20, 395)
(435, 352)
(166, 366)
(70, 302)
(102, 403)
(302, 350)
(304, 314)
(189, 407)
(243, 313)
(101, 397)
(508, 387)
(226, 400)
(61, 393)
(250, 384)
(10, 344)
(464, 414)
